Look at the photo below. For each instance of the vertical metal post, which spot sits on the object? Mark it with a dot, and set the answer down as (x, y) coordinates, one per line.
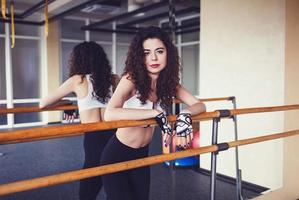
(171, 5)
(238, 170)
(172, 19)
(114, 46)
(177, 108)
(214, 159)
(176, 112)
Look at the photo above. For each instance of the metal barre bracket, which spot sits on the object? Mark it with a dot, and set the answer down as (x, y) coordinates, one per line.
(224, 113)
(222, 146)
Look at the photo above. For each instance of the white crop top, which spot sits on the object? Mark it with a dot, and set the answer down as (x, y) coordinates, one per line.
(89, 101)
(134, 102)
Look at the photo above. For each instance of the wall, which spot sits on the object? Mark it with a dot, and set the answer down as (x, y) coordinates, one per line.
(291, 151)
(242, 55)
(53, 63)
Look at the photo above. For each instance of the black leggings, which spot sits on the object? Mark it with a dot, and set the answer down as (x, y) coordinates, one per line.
(132, 184)
(94, 143)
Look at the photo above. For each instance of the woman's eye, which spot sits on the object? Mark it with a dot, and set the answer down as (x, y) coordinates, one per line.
(160, 51)
(146, 53)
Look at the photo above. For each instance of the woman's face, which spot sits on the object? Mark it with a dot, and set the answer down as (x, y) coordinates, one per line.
(155, 55)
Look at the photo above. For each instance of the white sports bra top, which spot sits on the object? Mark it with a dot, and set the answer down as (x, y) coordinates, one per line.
(89, 101)
(134, 102)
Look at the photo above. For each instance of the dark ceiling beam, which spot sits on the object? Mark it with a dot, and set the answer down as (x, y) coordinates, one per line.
(160, 15)
(134, 30)
(16, 16)
(128, 14)
(34, 8)
(18, 21)
(184, 26)
(191, 30)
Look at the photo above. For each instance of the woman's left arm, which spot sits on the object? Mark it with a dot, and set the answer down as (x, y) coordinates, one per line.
(63, 90)
(183, 125)
(195, 106)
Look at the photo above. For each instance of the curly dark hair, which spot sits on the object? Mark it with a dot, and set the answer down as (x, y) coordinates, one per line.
(168, 79)
(90, 58)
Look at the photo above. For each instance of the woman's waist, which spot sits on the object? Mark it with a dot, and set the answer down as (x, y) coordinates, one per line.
(90, 116)
(135, 137)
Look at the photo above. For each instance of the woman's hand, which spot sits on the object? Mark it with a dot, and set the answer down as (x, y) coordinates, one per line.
(184, 130)
(165, 128)
(69, 115)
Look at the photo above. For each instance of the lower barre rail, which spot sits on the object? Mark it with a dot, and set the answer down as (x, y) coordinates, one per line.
(46, 181)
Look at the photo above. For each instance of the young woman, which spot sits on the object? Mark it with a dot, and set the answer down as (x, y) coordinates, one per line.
(92, 81)
(146, 90)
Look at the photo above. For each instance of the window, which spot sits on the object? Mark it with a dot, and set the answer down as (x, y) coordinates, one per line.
(25, 65)
(108, 49)
(3, 118)
(26, 69)
(124, 38)
(20, 118)
(192, 36)
(166, 24)
(190, 61)
(71, 29)
(121, 55)
(2, 30)
(101, 36)
(122, 47)
(2, 70)
(66, 49)
(26, 30)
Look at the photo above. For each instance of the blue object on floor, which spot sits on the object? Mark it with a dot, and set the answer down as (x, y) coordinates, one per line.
(185, 162)
(191, 161)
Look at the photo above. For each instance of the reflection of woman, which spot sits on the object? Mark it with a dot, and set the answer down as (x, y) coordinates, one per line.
(92, 82)
(150, 81)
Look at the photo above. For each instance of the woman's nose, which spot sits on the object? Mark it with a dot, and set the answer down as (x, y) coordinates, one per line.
(154, 56)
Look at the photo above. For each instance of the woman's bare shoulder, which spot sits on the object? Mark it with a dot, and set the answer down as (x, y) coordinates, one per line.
(126, 86)
(77, 79)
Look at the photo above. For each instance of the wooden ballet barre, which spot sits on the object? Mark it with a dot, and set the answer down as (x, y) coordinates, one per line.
(209, 99)
(76, 175)
(33, 134)
(36, 109)
(74, 107)
(25, 135)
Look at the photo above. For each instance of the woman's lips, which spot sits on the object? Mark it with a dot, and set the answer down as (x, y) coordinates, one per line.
(155, 65)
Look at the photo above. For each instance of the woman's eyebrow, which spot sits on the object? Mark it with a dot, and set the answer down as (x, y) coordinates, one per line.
(160, 48)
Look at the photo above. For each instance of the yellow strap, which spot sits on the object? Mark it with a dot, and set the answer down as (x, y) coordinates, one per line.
(3, 8)
(12, 24)
(46, 19)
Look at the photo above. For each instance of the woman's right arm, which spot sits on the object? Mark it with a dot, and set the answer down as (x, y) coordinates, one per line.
(114, 110)
(66, 88)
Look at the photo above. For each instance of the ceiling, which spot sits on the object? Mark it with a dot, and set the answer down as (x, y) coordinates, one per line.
(103, 12)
